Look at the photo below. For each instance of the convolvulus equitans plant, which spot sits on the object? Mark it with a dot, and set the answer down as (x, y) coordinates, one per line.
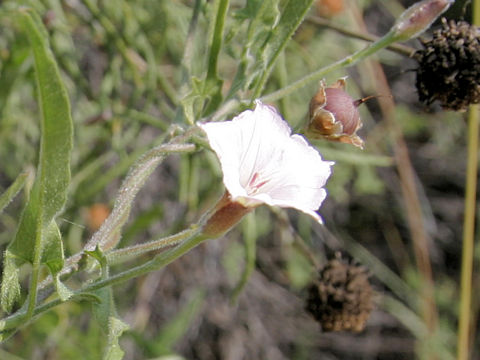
(261, 159)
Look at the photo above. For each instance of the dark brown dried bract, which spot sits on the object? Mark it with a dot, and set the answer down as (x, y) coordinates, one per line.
(449, 66)
(341, 298)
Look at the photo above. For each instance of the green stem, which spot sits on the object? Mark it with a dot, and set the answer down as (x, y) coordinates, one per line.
(292, 16)
(121, 255)
(156, 263)
(217, 35)
(468, 235)
(398, 48)
(350, 60)
(192, 238)
(469, 222)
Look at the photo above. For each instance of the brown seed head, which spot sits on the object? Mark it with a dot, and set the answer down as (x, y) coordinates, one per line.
(341, 298)
(449, 66)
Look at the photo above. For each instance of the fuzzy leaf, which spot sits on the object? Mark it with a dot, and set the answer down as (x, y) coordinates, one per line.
(53, 175)
(292, 15)
(291, 18)
(37, 235)
(262, 15)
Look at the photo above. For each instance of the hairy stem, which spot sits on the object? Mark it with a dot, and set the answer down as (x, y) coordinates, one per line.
(191, 238)
(350, 60)
(398, 48)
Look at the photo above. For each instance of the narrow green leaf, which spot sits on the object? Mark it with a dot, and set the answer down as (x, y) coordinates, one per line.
(37, 239)
(212, 84)
(216, 39)
(262, 16)
(12, 191)
(292, 16)
(53, 174)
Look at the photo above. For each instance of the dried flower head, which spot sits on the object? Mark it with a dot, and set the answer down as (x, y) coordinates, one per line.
(264, 163)
(341, 298)
(449, 66)
(334, 115)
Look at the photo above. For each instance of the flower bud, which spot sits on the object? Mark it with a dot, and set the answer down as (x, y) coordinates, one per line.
(418, 17)
(334, 115)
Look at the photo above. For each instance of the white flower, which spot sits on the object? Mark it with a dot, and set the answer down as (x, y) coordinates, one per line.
(263, 163)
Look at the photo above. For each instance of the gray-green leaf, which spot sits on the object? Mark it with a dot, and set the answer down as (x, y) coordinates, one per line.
(37, 239)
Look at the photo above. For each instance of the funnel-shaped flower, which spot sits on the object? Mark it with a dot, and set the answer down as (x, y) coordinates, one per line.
(263, 163)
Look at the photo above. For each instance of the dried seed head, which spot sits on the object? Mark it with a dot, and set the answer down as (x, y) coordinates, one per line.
(449, 66)
(334, 115)
(341, 298)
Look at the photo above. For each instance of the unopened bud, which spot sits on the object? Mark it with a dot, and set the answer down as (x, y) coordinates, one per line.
(418, 17)
(334, 115)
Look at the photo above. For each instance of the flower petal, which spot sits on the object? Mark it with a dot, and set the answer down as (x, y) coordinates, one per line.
(263, 163)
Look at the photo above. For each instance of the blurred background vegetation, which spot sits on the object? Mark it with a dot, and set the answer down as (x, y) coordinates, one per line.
(122, 63)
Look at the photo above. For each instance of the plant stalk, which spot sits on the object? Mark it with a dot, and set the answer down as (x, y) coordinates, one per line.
(463, 343)
(191, 238)
(350, 60)
(398, 48)
(468, 236)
